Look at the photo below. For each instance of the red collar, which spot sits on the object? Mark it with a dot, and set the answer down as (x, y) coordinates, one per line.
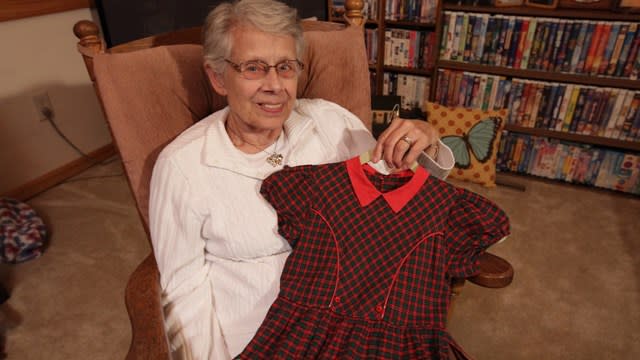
(397, 198)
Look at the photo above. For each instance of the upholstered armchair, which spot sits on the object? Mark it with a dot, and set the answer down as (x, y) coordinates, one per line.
(154, 88)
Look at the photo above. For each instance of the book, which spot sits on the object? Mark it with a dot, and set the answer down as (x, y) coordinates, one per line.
(503, 60)
(515, 100)
(604, 112)
(457, 31)
(557, 97)
(541, 29)
(592, 112)
(525, 113)
(563, 50)
(488, 88)
(575, 56)
(600, 47)
(484, 23)
(622, 114)
(547, 111)
(462, 41)
(585, 46)
(502, 94)
(593, 47)
(542, 106)
(502, 35)
(573, 101)
(444, 51)
(557, 44)
(563, 107)
(476, 34)
(633, 55)
(537, 97)
(500, 24)
(548, 44)
(618, 95)
(625, 132)
(579, 108)
(571, 46)
(617, 48)
(606, 56)
(521, 43)
(626, 45)
(495, 84)
(634, 133)
(526, 51)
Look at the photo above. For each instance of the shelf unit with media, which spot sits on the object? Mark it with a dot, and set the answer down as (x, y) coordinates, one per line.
(600, 113)
(402, 47)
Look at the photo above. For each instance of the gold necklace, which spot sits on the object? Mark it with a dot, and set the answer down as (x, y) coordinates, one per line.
(274, 159)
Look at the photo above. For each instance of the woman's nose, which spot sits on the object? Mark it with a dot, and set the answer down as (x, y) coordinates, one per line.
(272, 80)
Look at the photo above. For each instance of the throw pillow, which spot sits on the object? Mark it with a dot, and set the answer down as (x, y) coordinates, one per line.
(474, 136)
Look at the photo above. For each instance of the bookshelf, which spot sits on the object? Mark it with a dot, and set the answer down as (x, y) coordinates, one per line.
(587, 151)
(401, 41)
(592, 137)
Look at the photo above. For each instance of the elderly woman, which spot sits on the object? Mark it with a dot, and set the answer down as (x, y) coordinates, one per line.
(215, 239)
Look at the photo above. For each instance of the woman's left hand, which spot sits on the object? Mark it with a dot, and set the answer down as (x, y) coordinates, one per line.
(403, 141)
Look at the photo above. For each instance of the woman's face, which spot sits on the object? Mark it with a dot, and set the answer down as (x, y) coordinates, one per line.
(261, 104)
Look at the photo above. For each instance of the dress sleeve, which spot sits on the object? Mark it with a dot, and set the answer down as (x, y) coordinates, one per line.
(288, 191)
(191, 320)
(474, 223)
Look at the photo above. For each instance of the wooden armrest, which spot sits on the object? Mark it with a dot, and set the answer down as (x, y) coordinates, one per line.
(142, 298)
(495, 272)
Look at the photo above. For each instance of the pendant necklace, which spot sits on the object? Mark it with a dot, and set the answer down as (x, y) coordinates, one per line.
(274, 159)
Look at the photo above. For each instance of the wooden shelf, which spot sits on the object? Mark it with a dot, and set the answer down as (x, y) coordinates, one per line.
(404, 70)
(543, 75)
(12, 10)
(510, 178)
(588, 14)
(586, 139)
(409, 24)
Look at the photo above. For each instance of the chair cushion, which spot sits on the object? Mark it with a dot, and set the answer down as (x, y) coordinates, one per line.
(337, 68)
(149, 97)
(474, 136)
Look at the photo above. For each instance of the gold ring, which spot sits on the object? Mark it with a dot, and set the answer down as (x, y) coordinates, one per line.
(407, 140)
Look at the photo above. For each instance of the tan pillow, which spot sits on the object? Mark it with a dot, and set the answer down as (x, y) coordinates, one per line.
(474, 136)
(337, 68)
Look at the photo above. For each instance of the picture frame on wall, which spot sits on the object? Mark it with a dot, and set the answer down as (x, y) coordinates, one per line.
(628, 6)
(545, 4)
(507, 3)
(586, 4)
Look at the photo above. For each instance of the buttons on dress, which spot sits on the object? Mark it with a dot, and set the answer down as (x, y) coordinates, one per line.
(336, 300)
(379, 309)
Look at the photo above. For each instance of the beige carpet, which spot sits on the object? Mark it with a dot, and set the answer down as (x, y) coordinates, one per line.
(576, 293)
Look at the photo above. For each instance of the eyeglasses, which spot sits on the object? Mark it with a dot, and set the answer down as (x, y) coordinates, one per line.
(256, 69)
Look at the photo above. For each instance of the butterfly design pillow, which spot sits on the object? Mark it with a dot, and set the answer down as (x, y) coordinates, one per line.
(473, 136)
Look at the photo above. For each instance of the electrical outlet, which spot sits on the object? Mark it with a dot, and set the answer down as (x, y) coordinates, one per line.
(43, 105)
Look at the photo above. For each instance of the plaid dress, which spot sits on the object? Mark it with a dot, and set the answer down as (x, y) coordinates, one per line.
(372, 260)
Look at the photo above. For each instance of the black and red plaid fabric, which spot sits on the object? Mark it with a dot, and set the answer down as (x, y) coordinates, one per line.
(372, 262)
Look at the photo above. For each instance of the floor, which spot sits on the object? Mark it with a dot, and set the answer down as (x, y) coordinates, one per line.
(575, 250)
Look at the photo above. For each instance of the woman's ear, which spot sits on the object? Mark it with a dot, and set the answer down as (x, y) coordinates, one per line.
(216, 80)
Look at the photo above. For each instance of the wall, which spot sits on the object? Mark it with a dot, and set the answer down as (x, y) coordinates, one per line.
(39, 55)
